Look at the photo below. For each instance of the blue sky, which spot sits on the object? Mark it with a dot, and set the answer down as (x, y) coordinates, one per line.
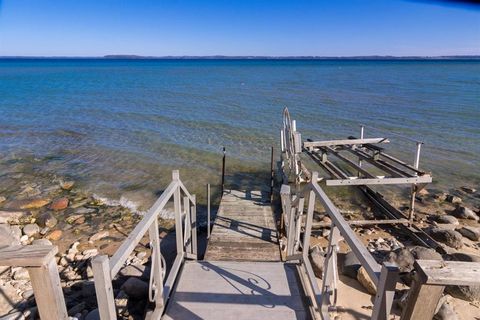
(244, 27)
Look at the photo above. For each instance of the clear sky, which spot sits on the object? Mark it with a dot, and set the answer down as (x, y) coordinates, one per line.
(243, 27)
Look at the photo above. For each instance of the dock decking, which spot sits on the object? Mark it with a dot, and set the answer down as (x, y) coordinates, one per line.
(244, 229)
(242, 275)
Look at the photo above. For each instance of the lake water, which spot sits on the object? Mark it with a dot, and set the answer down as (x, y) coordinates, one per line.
(118, 127)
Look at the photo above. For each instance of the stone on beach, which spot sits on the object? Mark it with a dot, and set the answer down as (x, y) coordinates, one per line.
(450, 237)
(365, 281)
(465, 213)
(350, 265)
(67, 185)
(35, 204)
(31, 229)
(47, 220)
(468, 189)
(471, 233)
(403, 258)
(317, 257)
(447, 219)
(422, 253)
(135, 287)
(76, 218)
(55, 235)
(59, 204)
(453, 199)
(99, 235)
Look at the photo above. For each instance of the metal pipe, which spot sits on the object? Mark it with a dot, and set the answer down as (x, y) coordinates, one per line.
(272, 175)
(223, 170)
(417, 155)
(208, 211)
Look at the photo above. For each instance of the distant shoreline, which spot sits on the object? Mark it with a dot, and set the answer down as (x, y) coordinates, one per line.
(221, 57)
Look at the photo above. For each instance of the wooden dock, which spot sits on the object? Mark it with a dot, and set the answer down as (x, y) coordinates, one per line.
(244, 229)
(242, 276)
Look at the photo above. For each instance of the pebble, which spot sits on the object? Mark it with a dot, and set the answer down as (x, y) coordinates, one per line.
(90, 253)
(468, 189)
(99, 235)
(76, 218)
(31, 229)
(67, 185)
(59, 204)
(55, 235)
(24, 240)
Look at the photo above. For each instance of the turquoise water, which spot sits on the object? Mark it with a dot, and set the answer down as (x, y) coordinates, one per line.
(118, 126)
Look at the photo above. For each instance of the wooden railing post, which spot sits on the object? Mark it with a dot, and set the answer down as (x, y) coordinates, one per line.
(193, 220)
(385, 292)
(157, 265)
(188, 226)
(286, 206)
(178, 213)
(103, 288)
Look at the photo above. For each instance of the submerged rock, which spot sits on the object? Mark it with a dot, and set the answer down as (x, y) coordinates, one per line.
(31, 229)
(59, 204)
(450, 237)
(99, 235)
(55, 235)
(47, 220)
(67, 185)
(35, 204)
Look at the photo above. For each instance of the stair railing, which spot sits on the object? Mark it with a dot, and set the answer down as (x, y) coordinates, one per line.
(105, 269)
(298, 226)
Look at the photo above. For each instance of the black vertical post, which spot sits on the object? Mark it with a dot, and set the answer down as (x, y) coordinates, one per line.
(223, 170)
(272, 176)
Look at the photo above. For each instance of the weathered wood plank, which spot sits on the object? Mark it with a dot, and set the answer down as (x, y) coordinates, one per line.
(27, 256)
(449, 272)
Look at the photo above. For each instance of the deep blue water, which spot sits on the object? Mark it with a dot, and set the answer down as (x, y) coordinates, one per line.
(119, 126)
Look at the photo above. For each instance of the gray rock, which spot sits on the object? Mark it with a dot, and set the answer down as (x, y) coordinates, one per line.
(7, 238)
(453, 199)
(365, 281)
(136, 288)
(422, 253)
(93, 315)
(447, 219)
(450, 237)
(468, 293)
(47, 220)
(42, 242)
(460, 256)
(76, 309)
(350, 265)
(471, 233)
(403, 258)
(135, 270)
(445, 312)
(31, 229)
(465, 213)
(317, 258)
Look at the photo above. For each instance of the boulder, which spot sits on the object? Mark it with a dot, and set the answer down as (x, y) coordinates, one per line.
(31, 229)
(447, 219)
(47, 220)
(136, 288)
(59, 204)
(468, 189)
(449, 237)
(453, 199)
(350, 265)
(471, 233)
(317, 258)
(403, 258)
(465, 213)
(365, 281)
(467, 257)
(422, 253)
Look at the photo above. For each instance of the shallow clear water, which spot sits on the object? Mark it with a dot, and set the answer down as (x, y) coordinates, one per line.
(119, 126)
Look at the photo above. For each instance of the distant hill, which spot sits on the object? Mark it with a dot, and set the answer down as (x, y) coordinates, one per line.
(221, 57)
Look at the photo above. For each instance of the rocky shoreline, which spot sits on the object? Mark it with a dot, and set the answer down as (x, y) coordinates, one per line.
(56, 212)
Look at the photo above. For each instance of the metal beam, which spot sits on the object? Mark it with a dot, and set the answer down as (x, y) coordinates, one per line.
(325, 143)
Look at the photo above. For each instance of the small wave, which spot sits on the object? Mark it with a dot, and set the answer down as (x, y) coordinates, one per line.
(132, 206)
